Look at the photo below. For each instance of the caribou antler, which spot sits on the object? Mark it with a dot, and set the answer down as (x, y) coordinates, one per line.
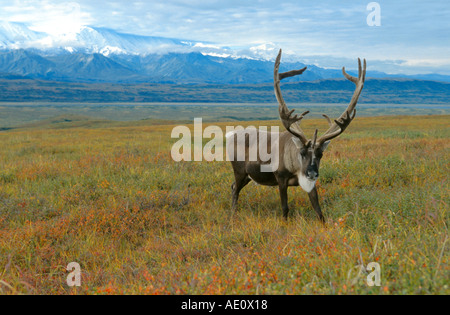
(290, 122)
(339, 125)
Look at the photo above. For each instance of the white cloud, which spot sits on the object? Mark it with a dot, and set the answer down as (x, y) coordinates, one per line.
(52, 17)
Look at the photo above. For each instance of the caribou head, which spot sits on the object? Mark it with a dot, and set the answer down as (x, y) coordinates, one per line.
(311, 151)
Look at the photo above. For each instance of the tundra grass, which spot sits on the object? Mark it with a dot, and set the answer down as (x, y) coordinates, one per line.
(112, 200)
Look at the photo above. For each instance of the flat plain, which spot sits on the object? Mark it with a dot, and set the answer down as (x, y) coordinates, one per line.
(109, 197)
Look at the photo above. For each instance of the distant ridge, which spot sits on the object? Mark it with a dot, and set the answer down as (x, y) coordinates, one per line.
(176, 68)
(376, 91)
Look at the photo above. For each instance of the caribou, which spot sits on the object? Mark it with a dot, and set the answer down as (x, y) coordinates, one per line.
(298, 157)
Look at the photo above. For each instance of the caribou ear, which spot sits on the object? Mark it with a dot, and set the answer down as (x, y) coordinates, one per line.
(298, 143)
(325, 145)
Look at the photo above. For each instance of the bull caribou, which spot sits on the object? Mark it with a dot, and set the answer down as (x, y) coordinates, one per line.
(298, 157)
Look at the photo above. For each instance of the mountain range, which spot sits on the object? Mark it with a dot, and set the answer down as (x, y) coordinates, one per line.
(99, 55)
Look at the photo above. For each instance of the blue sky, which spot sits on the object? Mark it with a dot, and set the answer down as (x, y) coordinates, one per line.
(414, 36)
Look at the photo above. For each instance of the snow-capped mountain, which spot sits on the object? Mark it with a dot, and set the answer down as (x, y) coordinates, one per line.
(103, 55)
(107, 42)
(97, 40)
(18, 35)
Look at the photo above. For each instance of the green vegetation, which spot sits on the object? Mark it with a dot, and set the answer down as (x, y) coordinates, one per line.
(112, 199)
(376, 91)
(59, 115)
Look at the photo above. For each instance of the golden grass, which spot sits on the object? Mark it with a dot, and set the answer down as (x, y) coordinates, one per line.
(112, 200)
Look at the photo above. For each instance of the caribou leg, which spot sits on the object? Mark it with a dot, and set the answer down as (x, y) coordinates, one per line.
(314, 197)
(283, 187)
(241, 182)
